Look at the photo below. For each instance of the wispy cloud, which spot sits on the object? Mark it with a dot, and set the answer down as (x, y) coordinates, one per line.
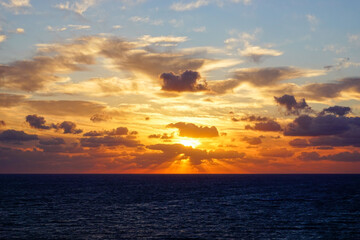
(17, 6)
(313, 21)
(78, 7)
(180, 6)
(253, 52)
(191, 5)
(138, 19)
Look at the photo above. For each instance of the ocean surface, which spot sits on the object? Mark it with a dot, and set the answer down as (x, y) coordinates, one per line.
(179, 206)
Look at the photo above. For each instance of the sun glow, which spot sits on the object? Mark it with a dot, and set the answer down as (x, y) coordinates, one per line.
(190, 142)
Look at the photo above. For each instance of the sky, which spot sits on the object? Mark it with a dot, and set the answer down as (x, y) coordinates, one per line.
(180, 86)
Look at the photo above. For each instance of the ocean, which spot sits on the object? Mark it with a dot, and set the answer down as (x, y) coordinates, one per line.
(180, 206)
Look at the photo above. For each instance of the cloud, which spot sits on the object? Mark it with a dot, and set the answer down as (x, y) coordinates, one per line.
(32, 75)
(337, 110)
(15, 136)
(20, 30)
(2, 123)
(171, 152)
(98, 117)
(191, 130)
(338, 157)
(188, 81)
(244, 47)
(299, 143)
(277, 153)
(138, 19)
(68, 127)
(180, 6)
(66, 107)
(194, 4)
(10, 100)
(273, 75)
(108, 141)
(257, 53)
(78, 7)
(53, 61)
(17, 6)
(162, 39)
(52, 141)
(199, 29)
(2, 38)
(253, 118)
(305, 125)
(268, 126)
(313, 21)
(252, 140)
(37, 122)
(342, 63)
(321, 91)
(292, 106)
(163, 136)
(114, 132)
(262, 77)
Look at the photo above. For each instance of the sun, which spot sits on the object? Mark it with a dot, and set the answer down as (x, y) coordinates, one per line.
(190, 142)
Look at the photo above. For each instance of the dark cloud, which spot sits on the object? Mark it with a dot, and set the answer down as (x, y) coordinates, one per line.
(37, 122)
(15, 136)
(10, 100)
(305, 125)
(325, 130)
(252, 140)
(118, 131)
(299, 143)
(52, 141)
(114, 132)
(191, 130)
(338, 157)
(277, 153)
(253, 118)
(2, 123)
(337, 110)
(108, 141)
(99, 118)
(164, 136)
(268, 126)
(68, 127)
(188, 81)
(292, 106)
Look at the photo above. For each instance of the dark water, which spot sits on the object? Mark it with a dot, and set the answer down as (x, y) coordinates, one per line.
(180, 206)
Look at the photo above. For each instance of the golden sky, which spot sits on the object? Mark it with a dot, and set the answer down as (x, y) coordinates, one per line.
(109, 86)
